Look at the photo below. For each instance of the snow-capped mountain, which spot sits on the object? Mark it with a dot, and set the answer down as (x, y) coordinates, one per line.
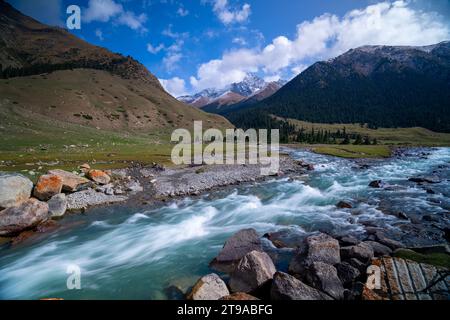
(231, 94)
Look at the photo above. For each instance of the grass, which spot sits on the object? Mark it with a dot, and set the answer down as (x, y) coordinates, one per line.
(386, 136)
(352, 151)
(435, 259)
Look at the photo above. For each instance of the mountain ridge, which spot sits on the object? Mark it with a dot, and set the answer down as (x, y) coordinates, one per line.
(386, 86)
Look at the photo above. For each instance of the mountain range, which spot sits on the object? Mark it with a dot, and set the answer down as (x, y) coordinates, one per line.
(250, 90)
(52, 76)
(383, 86)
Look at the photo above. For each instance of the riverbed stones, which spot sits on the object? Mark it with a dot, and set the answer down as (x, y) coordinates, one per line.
(14, 190)
(324, 277)
(71, 182)
(286, 287)
(47, 186)
(57, 205)
(235, 248)
(253, 271)
(89, 198)
(209, 287)
(27, 215)
(318, 248)
(99, 176)
(361, 251)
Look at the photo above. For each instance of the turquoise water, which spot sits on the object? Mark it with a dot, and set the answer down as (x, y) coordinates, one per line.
(126, 253)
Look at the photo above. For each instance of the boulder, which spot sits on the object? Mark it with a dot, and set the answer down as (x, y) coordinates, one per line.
(99, 176)
(361, 251)
(27, 215)
(379, 249)
(318, 248)
(361, 266)
(324, 277)
(348, 241)
(14, 189)
(209, 287)
(57, 205)
(286, 287)
(344, 205)
(253, 271)
(47, 186)
(71, 182)
(239, 296)
(376, 184)
(347, 273)
(235, 248)
(383, 239)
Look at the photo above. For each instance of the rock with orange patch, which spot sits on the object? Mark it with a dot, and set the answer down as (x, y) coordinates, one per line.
(47, 186)
(99, 176)
(71, 182)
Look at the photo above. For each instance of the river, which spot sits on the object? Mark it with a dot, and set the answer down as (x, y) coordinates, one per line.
(124, 253)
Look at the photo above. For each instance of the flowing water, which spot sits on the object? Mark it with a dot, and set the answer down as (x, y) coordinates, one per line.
(124, 254)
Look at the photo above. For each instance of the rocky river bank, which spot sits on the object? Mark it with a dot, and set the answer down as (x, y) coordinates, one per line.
(27, 208)
(318, 224)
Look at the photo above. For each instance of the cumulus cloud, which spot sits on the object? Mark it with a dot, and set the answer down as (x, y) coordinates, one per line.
(174, 51)
(228, 16)
(154, 50)
(326, 36)
(109, 10)
(175, 86)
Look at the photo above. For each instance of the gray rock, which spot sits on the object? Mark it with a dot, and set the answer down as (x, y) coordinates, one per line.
(252, 272)
(361, 251)
(318, 248)
(134, 186)
(88, 198)
(347, 273)
(361, 266)
(14, 190)
(349, 241)
(57, 205)
(286, 287)
(209, 287)
(324, 277)
(379, 249)
(235, 248)
(383, 239)
(27, 215)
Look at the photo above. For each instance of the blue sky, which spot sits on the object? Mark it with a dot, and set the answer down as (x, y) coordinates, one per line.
(196, 44)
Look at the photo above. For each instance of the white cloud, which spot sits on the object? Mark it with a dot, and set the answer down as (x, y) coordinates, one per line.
(228, 16)
(155, 50)
(240, 41)
(182, 12)
(99, 34)
(272, 78)
(175, 86)
(106, 10)
(171, 60)
(133, 21)
(327, 36)
(101, 10)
